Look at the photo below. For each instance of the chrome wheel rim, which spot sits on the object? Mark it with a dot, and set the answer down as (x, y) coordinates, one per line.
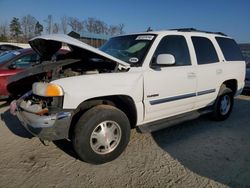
(225, 105)
(105, 137)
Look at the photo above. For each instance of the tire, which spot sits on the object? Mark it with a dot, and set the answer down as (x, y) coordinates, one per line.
(101, 134)
(223, 105)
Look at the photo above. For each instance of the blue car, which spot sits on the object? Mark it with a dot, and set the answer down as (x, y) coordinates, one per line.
(247, 79)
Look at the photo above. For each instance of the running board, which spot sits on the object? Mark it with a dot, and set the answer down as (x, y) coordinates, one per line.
(167, 122)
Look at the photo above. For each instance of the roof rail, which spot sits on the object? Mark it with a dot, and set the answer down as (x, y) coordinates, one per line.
(196, 30)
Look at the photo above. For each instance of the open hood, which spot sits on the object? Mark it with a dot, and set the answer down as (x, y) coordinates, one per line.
(47, 45)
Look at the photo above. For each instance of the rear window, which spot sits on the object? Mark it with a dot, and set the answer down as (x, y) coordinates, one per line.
(205, 51)
(230, 49)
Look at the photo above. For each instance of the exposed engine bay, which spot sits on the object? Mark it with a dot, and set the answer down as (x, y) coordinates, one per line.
(40, 105)
(71, 64)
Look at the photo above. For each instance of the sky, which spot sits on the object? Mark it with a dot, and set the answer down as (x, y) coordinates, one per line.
(231, 17)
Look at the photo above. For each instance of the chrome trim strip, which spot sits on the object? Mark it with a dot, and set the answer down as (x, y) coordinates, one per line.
(206, 92)
(170, 99)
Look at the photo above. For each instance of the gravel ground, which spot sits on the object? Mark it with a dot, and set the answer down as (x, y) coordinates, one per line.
(199, 153)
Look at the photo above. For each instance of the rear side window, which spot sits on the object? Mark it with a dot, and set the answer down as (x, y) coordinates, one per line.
(205, 51)
(230, 49)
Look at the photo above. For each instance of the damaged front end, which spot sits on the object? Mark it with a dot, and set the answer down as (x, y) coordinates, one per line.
(40, 112)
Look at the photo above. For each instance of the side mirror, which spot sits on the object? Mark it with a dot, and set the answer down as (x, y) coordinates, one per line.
(165, 59)
(12, 66)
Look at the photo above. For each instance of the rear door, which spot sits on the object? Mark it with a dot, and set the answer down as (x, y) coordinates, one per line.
(209, 70)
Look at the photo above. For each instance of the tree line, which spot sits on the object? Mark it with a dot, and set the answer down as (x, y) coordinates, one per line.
(26, 27)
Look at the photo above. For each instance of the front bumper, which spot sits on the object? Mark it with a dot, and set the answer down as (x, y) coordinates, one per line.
(46, 127)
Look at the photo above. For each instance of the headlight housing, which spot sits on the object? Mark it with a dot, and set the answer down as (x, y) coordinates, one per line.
(47, 89)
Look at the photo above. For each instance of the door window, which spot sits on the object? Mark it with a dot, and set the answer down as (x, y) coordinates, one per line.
(175, 45)
(205, 51)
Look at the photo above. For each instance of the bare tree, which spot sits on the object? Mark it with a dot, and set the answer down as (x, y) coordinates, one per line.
(75, 24)
(4, 29)
(94, 25)
(55, 28)
(121, 28)
(113, 30)
(101, 27)
(64, 24)
(29, 27)
(28, 24)
(49, 22)
(117, 29)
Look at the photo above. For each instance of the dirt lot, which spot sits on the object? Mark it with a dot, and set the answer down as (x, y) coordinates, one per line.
(200, 153)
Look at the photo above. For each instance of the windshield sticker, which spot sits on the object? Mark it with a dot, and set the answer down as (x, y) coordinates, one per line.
(145, 37)
(133, 60)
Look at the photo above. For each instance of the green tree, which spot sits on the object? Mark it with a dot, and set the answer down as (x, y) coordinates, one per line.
(38, 28)
(15, 27)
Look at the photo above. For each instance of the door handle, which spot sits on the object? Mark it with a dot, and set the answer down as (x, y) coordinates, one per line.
(191, 75)
(219, 71)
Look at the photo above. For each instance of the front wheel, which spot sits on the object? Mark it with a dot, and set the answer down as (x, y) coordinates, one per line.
(101, 134)
(223, 105)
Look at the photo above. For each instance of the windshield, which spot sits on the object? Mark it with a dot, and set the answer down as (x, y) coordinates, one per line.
(8, 56)
(130, 48)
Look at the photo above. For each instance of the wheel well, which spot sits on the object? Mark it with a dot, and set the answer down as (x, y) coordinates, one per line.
(122, 102)
(231, 84)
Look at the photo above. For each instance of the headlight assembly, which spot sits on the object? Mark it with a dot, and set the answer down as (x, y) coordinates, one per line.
(47, 89)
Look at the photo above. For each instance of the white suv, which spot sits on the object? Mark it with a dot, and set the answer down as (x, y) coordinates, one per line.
(148, 80)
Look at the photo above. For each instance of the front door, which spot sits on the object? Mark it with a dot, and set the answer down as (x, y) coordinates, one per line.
(170, 90)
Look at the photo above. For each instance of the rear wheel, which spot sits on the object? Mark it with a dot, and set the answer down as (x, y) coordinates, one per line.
(101, 134)
(223, 104)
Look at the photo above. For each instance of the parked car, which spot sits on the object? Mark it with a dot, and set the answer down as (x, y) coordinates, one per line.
(16, 61)
(8, 47)
(148, 80)
(13, 62)
(245, 50)
(247, 79)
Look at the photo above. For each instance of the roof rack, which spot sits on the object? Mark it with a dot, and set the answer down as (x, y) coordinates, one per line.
(196, 30)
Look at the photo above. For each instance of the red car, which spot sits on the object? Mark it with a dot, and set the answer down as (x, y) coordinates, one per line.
(16, 61)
